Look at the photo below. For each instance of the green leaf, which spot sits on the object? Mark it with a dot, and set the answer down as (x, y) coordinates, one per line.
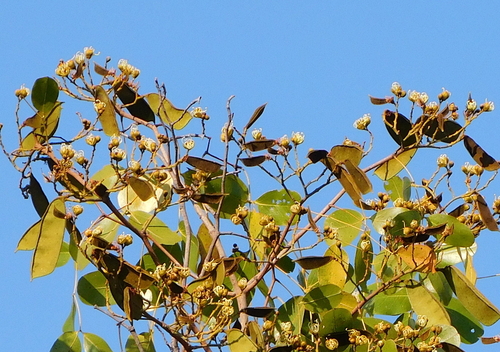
(348, 224)
(236, 193)
(137, 106)
(471, 298)
(323, 298)
(393, 301)
(335, 272)
(146, 341)
(393, 166)
(157, 229)
(286, 264)
(108, 114)
(469, 328)
(363, 261)
(239, 342)
(438, 284)
(389, 346)
(335, 320)
(69, 324)
(30, 238)
(108, 176)
(63, 255)
(380, 219)
(462, 235)
(48, 126)
(94, 343)
(425, 303)
(341, 153)
(44, 94)
(167, 112)
(292, 311)
(93, 290)
(398, 188)
(277, 204)
(67, 342)
(49, 242)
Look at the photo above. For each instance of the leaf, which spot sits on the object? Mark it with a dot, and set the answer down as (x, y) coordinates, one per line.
(335, 320)
(69, 324)
(313, 262)
(108, 115)
(92, 290)
(258, 312)
(317, 155)
(471, 298)
(100, 70)
(400, 129)
(146, 341)
(461, 236)
(253, 161)
(136, 105)
(347, 223)
(44, 94)
(380, 219)
(258, 145)
(393, 301)
(393, 166)
(38, 197)
(349, 185)
(425, 303)
(157, 229)
(238, 342)
(168, 113)
(48, 125)
(341, 153)
(49, 242)
(485, 213)
(450, 132)
(30, 238)
(398, 188)
(133, 275)
(438, 284)
(467, 325)
(203, 164)
(480, 156)
(323, 298)
(419, 257)
(94, 343)
(363, 261)
(277, 204)
(451, 255)
(255, 116)
(381, 101)
(292, 311)
(334, 272)
(359, 177)
(67, 342)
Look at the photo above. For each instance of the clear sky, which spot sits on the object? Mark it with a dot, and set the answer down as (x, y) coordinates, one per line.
(314, 62)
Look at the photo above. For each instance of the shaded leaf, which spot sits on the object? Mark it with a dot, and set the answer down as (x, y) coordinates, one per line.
(363, 260)
(381, 101)
(38, 197)
(292, 311)
(485, 213)
(258, 312)
(469, 328)
(253, 161)
(393, 166)
(69, 324)
(136, 105)
(92, 290)
(480, 156)
(124, 271)
(100, 70)
(142, 188)
(208, 198)
(393, 301)
(449, 133)
(313, 262)
(258, 145)
(349, 185)
(255, 116)
(203, 164)
(146, 341)
(400, 129)
(108, 115)
(335, 320)
(317, 155)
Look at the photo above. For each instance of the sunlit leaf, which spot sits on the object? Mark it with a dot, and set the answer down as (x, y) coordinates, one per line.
(398, 188)
(363, 260)
(419, 257)
(238, 342)
(393, 166)
(349, 185)
(292, 311)
(142, 188)
(451, 255)
(107, 117)
(342, 153)
(480, 156)
(69, 324)
(334, 272)
(347, 223)
(277, 204)
(68, 342)
(94, 343)
(323, 298)
(359, 177)
(30, 238)
(44, 94)
(461, 236)
(381, 218)
(92, 290)
(469, 328)
(393, 301)
(146, 341)
(167, 112)
(49, 242)
(471, 298)
(335, 320)
(156, 228)
(47, 127)
(425, 303)
(135, 104)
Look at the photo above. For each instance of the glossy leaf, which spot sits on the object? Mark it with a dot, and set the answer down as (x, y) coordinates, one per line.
(94, 343)
(108, 114)
(471, 298)
(44, 94)
(425, 303)
(398, 188)
(146, 341)
(92, 290)
(451, 255)
(203, 164)
(480, 156)
(341, 153)
(485, 213)
(157, 229)
(50, 239)
(313, 262)
(323, 298)
(400, 129)
(255, 116)
(167, 112)
(38, 197)
(135, 104)
(348, 224)
(469, 328)
(67, 342)
(238, 342)
(277, 204)
(393, 166)
(393, 301)
(461, 236)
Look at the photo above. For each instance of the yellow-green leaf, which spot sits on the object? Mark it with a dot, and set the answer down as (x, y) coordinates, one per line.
(30, 238)
(425, 303)
(341, 153)
(108, 114)
(238, 342)
(50, 239)
(67, 342)
(393, 166)
(167, 112)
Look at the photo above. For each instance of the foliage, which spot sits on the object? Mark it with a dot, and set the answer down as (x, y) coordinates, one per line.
(399, 255)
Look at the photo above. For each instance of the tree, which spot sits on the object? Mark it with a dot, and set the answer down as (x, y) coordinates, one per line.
(255, 273)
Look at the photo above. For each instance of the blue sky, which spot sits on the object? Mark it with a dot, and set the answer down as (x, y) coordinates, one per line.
(313, 62)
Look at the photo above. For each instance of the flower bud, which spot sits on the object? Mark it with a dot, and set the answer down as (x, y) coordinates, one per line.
(188, 143)
(80, 158)
(423, 98)
(117, 154)
(413, 96)
(284, 141)
(431, 108)
(442, 160)
(199, 113)
(226, 131)
(125, 240)
(22, 92)
(444, 95)
(363, 122)
(257, 133)
(89, 52)
(298, 138)
(97, 231)
(242, 212)
(150, 145)
(242, 283)
(397, 90)
(63, 69)
(331, 344)
(487, 106)
(79, 58)
(99, 106)
(114, 141)
(471, 105)
(268, 325)
(235, 219)
(77, 209)
(422, 321)
(92, 140)
(134, 166)
(67, 151)
(135, 134)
